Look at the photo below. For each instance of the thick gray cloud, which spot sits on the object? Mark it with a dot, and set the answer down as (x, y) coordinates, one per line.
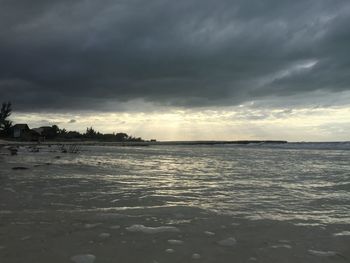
(82, 54)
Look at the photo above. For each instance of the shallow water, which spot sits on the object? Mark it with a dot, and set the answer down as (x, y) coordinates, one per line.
(253, 203)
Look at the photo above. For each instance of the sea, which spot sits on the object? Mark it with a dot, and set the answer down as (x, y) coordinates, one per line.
(176, 203)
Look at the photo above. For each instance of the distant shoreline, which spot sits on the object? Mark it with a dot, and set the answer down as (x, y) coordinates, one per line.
(145, 143)
(151, 143)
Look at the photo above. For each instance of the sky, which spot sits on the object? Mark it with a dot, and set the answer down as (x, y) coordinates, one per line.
(180, 70)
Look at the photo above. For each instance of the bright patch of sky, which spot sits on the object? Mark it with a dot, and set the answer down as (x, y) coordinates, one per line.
(226, 123)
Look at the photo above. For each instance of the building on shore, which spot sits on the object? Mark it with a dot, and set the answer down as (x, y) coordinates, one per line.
(20, 130)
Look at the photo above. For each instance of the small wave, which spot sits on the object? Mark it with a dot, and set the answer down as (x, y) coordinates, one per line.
(341, 186)
(152, 230)
(322, 253)
(343, 233)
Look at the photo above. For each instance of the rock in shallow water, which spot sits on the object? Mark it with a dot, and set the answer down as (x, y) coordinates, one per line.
(87, 258)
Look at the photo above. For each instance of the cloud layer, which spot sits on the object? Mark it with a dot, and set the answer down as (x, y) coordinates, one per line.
(89, 55)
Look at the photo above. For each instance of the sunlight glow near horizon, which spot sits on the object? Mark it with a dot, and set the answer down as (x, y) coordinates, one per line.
(229, 123)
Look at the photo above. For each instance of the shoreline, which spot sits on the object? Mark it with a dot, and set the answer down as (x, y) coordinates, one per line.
(146, 143)
(13, 143)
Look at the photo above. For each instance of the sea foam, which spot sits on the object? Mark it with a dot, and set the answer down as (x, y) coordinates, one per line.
(344, 233)
(322, 253)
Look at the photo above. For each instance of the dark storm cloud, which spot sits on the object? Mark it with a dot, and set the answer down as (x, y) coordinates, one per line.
(82, 54)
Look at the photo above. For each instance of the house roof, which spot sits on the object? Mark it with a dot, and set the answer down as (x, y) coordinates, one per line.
(21, 126)
(46, 127)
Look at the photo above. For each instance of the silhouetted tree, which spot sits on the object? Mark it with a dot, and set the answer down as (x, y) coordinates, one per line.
(6, 110)
(55, 130)
(73, 135)
(5, 124)
(121, 137)
(6, 128)
(62, 132)
(90, 133)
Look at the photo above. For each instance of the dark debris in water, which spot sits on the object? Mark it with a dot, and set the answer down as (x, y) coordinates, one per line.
(20, 168)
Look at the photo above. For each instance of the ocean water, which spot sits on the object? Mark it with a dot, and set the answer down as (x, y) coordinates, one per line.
(219, 203)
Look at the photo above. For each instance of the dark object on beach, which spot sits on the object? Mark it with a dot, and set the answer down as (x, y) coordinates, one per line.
(34, 149)
(69, 148)
(19, 168)
(38, 165)
(13, 150)
(57, 157)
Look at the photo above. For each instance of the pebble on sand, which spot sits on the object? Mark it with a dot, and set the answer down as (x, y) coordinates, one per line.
(170, 250)
(208, 233)
(9, 189)
(196, 256)
(282, 246)
(175, 242)
(104, 235)
(87, 258)
(228, 242)
(88, 226)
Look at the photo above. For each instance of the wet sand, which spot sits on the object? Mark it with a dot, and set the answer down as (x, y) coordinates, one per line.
(53, 236)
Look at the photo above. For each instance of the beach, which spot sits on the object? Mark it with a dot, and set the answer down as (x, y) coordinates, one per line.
(176, 203)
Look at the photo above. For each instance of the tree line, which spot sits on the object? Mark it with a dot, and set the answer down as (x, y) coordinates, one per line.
(54, 132)
(91, 134)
